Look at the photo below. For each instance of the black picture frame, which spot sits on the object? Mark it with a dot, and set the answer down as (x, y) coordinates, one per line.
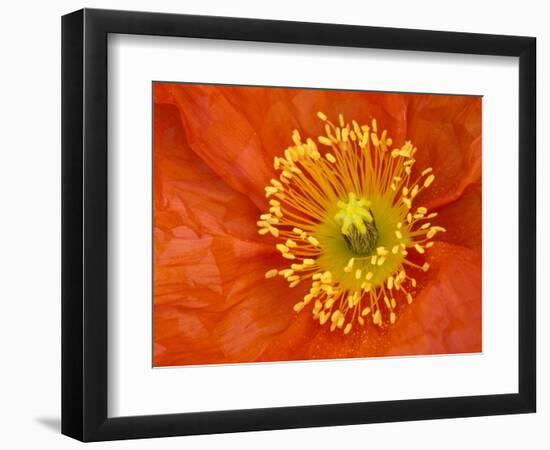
(84, 224)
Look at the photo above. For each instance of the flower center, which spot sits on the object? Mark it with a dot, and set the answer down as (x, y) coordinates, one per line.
(344, 220)
(358, 225)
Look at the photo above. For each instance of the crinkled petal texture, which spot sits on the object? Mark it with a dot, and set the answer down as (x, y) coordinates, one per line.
(213, 154)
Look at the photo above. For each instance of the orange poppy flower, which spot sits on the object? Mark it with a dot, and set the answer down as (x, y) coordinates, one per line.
(214, 152)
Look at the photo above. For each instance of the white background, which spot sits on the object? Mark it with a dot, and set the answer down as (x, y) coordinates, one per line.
(136, 389)
(30, 223)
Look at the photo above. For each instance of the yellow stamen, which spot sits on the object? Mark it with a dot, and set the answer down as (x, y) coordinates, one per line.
(346, 221)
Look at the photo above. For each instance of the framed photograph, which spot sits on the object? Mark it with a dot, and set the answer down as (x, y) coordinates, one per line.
(273, 224)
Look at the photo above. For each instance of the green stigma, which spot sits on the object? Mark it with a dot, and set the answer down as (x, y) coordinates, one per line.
(357, 225)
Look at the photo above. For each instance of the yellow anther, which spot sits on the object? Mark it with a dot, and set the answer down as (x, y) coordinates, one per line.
(398, 234)
(271, 273)
(321, 116)
(419, 248)
(326, 277)
(313, 241)
(392, 317)
(426, 171)
(325, 140)
(358, 274)
(369, 276)
(347, 329)
(282, 248)
(296, 137)
(330, 157)
(299, 306)
(309, 262)
(277, 211)
(429, 180)
(345, 134)
(425, 267)
(288, 256)
(381, 260)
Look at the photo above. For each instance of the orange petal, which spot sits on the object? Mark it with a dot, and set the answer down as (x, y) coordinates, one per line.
(190, 199)
(210, 299)
(445, 316)
(447, 132)
(213, 304)
(222, 136)
(462, 219)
